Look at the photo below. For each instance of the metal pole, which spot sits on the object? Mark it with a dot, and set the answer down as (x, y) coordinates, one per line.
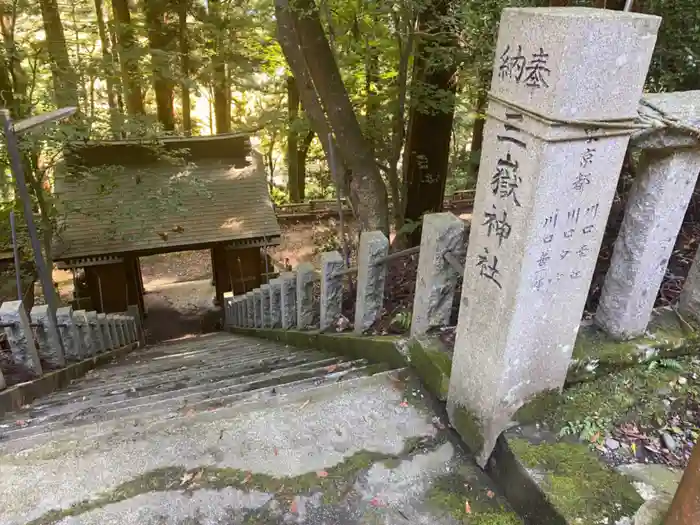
(18, 173)
(685, 507)
(15, 253)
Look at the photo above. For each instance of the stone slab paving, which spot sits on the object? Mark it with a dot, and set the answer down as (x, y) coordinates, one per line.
(317, 440)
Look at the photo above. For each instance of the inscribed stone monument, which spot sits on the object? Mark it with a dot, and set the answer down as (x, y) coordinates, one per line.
(546, 181)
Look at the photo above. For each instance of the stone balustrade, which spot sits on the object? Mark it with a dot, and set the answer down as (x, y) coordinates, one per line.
(39, 347)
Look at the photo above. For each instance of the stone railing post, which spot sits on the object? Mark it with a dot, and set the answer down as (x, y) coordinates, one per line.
(306, 275)
(228, 299)
(135, 313)
(370, 279)
(87, 345)
(265, 304)
(250, 310)
(288, 300)
(436, 280)
(107, 339)
(275, 302)
(546, 182)
(666, 176)
(331, 289)
(121, 323)
(98, 338)
(70, 334)
(50, 344)
(114, 331)
(20, 336)
(689, 301)
(257, 303)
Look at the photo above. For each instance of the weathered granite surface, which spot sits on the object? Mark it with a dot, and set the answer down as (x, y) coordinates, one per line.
(275, 303)
(85, 332)
(70, 334)
(371, 278)
(331, 289)
(19, 336)
(436, 280)
(257, 305)
(306, 311)
(50, 345)
(96, 332)
(265, 305)
(288, 300)
(106, 330)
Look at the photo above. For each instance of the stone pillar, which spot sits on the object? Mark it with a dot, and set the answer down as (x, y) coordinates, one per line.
(3, 383)
(228, 298)
(331, 289)
(50, 345)
(139, 334)
(113, 323)
(288, 300)
(370, 279)
(98, 338)
(257, 304)
(275, 302)
(250, 310)
(106, 331)
(666, 176)
(265, 305)
(436, 280)
(306, 315)
(689, 301)
(72, 343)
(19, 336)
(542, 200)
(87, 345)
(121, 323)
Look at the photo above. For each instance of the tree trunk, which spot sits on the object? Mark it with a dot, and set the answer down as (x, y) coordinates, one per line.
(430, 131)
(64, 77)
(159, 42)
(222, 105)
(128, 57)
(292, 147)
(301, 164)
(108, 69)
(365, 181)
(184, 67)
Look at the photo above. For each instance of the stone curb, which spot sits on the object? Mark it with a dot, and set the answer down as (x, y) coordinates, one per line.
(15, 397)
(379, 349)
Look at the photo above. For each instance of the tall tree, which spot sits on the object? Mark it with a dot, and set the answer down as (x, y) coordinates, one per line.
(220, 83)
(107, 68)
(128, 57)
(64, 76)
(160, 41)
(431, 114)
(184, 47)
(292, 144)
(367, 188)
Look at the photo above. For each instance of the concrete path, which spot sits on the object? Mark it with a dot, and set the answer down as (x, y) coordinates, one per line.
(221, 429)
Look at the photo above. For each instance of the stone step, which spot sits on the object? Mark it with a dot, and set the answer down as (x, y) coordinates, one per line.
(108, 400)
(271, 386)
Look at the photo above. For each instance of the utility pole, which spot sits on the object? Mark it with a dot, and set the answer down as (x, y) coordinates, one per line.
(685, 507)
(12, 131)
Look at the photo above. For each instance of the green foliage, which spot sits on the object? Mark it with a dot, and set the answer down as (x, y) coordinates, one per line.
(669, 364)
(591, 429)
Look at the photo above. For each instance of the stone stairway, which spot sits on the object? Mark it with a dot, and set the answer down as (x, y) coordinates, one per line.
(222, 429)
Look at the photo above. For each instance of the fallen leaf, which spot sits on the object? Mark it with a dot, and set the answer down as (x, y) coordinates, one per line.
(322, 474)
(276, 452)
(634, 449)
(248, 477)
(404, 404)
(467, 507)
(331, 368)
(293, 507)
(595, 437)
(376, 502)
(305, 404)
(198, 475)
(186, 477)
(490, 493)
(21, 423)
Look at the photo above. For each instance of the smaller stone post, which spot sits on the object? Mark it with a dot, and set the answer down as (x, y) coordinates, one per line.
(228, 298)
(113, 324)
(250, 310)
(436, 280)
(121, 324)
(331, 289)
(275, 300)
(689, 301)
(666, 177)
(103, 323)
(306, 275)
(265, 305)
(98, 338)
(135, 312)
(242, 313)
(257, 304)
(87, 347)
(370, 279)
(69, 333)
(19, 335)
(288, 300)
(50, 346)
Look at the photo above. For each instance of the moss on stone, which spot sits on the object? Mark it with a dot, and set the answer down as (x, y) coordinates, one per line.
(495, 518)
(433, 365)
(468, 426)
(576, 483)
